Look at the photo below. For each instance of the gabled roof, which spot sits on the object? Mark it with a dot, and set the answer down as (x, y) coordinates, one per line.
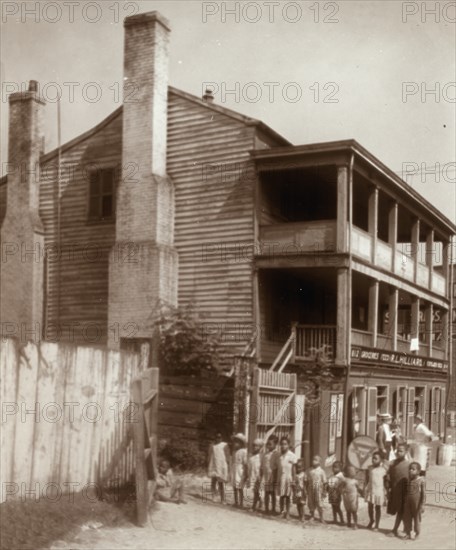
(184, 95)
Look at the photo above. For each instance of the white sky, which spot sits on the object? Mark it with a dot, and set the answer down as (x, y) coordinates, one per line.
(369, 52)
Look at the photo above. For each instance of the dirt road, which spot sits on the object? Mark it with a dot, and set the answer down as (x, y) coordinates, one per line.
(204, 526)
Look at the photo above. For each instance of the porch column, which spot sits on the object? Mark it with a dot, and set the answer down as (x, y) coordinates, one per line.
(415, 247)
(342, 315)
(373, 220)
(373, 311)
(342, 208)
(446, 264)
(258, 330)
(445, 333)
(392, 232)
(430, 254)
(393, 305)
(429, 323)
(415, 328)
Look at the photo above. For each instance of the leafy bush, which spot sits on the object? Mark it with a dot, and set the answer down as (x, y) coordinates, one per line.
(186, 346)
(183, 454)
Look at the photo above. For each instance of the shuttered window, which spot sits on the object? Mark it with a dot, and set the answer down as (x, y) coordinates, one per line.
(102, 195)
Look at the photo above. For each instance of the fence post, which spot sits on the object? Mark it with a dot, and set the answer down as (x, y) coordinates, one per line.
(142, 497)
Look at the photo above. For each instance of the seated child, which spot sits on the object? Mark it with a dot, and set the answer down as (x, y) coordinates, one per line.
(168, 488)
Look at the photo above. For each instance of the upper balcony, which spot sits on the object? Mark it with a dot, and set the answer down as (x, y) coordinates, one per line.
(306, 212)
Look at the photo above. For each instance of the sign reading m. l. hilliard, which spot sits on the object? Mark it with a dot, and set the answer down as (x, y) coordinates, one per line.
(394, 358)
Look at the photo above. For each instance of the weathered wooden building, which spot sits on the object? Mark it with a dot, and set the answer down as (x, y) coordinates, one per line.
(174, 198)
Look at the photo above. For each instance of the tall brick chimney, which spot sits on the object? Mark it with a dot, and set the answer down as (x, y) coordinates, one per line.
(143, 262)
(22, 234)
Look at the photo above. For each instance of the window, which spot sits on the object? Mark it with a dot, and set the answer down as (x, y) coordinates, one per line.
(102, 195)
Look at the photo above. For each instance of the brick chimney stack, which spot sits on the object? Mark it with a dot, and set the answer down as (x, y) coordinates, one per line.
(143, 262)
(22, 234)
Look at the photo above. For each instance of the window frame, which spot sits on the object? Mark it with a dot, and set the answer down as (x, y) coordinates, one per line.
(99, 218)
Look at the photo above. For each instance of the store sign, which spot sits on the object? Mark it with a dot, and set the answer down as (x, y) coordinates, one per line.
(385, 357)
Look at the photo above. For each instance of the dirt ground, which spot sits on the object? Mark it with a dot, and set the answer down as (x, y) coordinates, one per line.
(204, 526)
(201, 524)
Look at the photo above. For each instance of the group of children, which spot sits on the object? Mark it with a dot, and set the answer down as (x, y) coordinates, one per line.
(275, 471)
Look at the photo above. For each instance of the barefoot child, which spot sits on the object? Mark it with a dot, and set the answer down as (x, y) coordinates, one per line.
(300, 489)
(219, 459)
(269, 463)
(350, 491)
(286, 472)
(239, 466)
(254, 476)
(168, 488)
(414, 501)
(375, 489)
(335, 491)
(396, 479)
(316, 484)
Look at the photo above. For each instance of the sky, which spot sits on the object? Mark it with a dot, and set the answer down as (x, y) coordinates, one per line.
(382, 73)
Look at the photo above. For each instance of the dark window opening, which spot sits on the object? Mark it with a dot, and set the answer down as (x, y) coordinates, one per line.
(102, 195)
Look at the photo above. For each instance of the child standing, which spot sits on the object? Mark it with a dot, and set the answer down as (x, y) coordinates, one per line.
(316, 484)
(300, 489)
(219, 459)
(286, 472)
(350, 491)
(396, 479)
(269, 464)
(239, 474)
(254, 476)
(375, 489)
(335, 491)
(414, 501)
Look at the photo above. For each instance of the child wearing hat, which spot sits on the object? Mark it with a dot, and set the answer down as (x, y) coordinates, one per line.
(239, 468)
(254, 472)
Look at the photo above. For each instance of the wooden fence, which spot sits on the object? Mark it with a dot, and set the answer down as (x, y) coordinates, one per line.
(66, 412)
(194, 408)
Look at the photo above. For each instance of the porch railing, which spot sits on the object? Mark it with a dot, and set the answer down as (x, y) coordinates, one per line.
(309, 339)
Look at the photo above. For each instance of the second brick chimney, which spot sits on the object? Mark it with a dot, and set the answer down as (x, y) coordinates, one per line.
(143, 262)
(22, 235)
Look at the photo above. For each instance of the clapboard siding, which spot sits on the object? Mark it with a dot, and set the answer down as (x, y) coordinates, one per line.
(213, 212)
(208, 161)
(82, 300)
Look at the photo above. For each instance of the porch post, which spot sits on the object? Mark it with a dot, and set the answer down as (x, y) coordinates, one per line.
(415, 328)
(373, 311)
(393, 306)
(342, 208)
(373, 220)
(429, 323)
(415, 247)
(430, 254)
(342, 315)
(392, 232)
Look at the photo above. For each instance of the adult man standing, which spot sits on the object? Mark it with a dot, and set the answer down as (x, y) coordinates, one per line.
(385, 436)
(423, 435)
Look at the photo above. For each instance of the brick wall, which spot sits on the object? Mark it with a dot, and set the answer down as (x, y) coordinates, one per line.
(145, 199)
(22, 231)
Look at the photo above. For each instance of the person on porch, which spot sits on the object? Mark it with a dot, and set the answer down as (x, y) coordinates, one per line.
(385, 436)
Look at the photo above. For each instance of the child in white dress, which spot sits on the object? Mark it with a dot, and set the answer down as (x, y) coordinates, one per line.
(239, 468)
(286, 473)
(218, 471)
